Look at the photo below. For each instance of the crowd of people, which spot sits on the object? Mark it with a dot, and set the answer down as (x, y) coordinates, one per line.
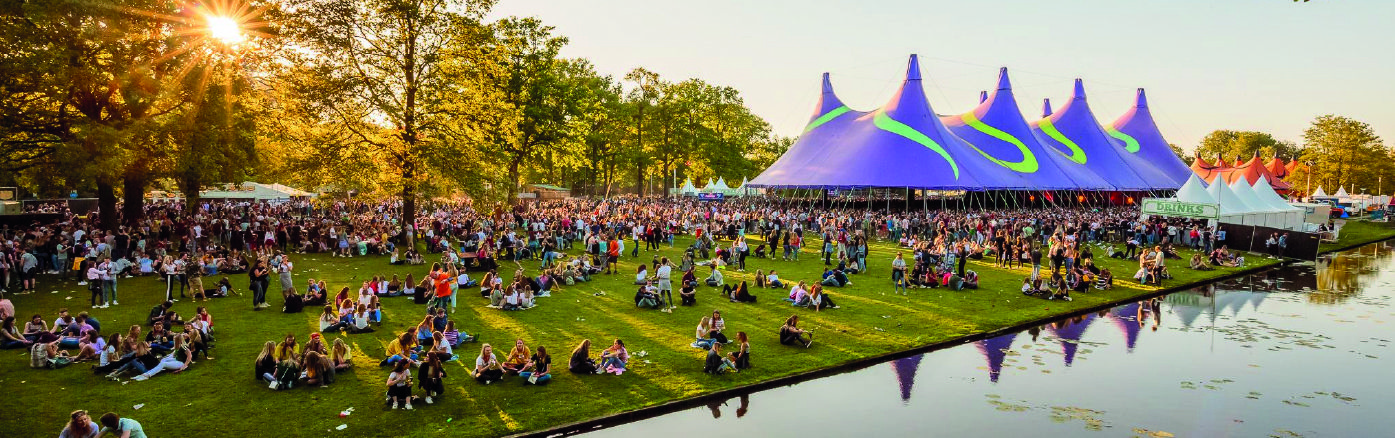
(181, 247)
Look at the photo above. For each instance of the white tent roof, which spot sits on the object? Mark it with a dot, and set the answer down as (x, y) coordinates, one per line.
(744, 181)
(1267, 195)
(1319, 193)
(257, 191)
(1230, 204)
(687, 186)
(1247, 195)
(1195, 191)
(1341, 192)
(722, 184)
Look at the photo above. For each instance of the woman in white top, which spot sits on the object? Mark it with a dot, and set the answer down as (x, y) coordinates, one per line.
(642, 276)
(703, 328)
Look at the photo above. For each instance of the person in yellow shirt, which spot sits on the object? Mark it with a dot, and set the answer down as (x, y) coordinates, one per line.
(518, 357)
(402, 348)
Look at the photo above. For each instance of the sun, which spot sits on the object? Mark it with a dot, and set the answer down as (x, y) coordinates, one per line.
(225, 29)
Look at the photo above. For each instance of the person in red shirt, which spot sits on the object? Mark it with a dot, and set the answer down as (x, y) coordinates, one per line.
(445, 282)
(613, 247)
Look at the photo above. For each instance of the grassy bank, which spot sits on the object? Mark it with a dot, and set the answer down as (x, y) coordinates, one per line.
(1359, 232)
(220, 397)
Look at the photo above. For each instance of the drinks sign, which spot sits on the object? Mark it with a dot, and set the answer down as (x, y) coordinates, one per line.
(1171, 208)
(710, 196)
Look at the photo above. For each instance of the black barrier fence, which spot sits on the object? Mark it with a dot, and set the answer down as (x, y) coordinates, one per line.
(79, 206)
(1298, 244)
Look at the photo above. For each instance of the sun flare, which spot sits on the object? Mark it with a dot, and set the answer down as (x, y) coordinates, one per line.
(225, 29)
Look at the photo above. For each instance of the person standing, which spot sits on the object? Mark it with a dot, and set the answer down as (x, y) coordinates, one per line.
(664, 273)
(108, 272)
(259, 279)
(284, 274)
(898, 273)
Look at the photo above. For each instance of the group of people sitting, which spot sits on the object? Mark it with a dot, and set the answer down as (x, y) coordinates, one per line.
(287, 364)
(802, 295)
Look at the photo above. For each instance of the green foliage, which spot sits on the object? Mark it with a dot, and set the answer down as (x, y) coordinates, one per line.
(1243, 145)
(1344, 152)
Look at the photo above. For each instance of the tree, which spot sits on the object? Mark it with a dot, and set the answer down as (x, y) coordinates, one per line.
(376, 71)
(641, 98)
(215, 141)
(81, 83)
(1242, 145)
(532, 90)
(1345, 153)
(1181, 154)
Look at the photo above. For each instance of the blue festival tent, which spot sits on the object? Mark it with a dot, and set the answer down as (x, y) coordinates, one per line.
(997, 130)
(1141, 137)
(1073, 132)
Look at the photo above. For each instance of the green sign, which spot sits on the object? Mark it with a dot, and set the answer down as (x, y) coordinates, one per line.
(1173, 208)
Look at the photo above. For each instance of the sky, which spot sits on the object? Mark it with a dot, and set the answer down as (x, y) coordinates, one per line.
(1263, 65)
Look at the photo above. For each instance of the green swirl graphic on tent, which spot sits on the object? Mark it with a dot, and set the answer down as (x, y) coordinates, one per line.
(1029, 160)
(886, 123)
(1130, 144)
(1076, 154)
(827, 117)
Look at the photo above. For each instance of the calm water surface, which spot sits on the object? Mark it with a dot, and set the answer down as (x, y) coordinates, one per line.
(1298, 351)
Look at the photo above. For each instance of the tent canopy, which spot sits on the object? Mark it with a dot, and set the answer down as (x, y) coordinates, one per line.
(997, 130)
(1141, 137)
(1195, 191)
(1073, 131)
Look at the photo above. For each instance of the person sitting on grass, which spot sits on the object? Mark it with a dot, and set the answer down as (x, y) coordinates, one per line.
(791, 334)
(331, 322)
(1105, 280)
(496, 296)
(48, 355)
(10, 337)
(432, 378)
(487, 366)
(773, 280)
(614, 358)
(79, 426)
(120, 427)
(641, 274)
(402, 348)
(163, 312)
(1058, 289)
(799, 295)
(399, 384)
(741, 358)
(177, 361)
(538, 370)
(760, 279)
(581, 361)
(197, 343)
(715, 279)
(159, 339)
(455, 338)
(704, 328)
(517, 358)
(687, 294)
(739, 294)
(318, 369)
(835, 278)
(264, 368)
(717, 326)
(647, 297)
(716, 363)
(339, 355)
(1198, 263)
(819, 300)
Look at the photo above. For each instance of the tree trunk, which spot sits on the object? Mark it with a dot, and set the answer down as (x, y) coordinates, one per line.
(133, 196)
(106, 204)
(513, 178)
(409, 203)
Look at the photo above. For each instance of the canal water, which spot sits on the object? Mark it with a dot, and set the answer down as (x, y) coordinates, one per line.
(1297, 351)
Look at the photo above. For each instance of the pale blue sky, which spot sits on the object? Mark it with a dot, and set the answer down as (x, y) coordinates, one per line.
(1267, 65)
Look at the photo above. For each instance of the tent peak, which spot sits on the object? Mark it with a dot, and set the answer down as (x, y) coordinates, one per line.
(982, 96)
(1079, 89)
(1142, 100)
(913, 68)
(1046, 108)
(1003, 82)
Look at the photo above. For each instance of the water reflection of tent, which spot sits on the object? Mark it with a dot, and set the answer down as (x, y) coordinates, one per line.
(993, 350)
(905, 373)
(1071, 331)
(1189, 305)
(1126, 318)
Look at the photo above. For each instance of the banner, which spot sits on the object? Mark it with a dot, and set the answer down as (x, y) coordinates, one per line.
(710, 196)
(1174, 208)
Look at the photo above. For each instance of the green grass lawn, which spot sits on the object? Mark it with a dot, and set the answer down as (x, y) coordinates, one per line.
(1359, 232)
(220, 397)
